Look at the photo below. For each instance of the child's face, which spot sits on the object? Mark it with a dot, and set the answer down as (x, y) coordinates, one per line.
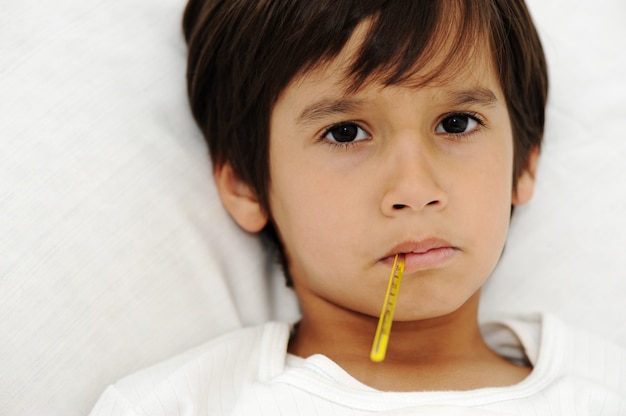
(424, 171)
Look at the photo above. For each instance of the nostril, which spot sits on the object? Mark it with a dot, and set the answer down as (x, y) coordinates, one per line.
(399, 207)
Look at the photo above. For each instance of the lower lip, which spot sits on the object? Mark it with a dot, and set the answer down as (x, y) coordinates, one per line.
(430, 259)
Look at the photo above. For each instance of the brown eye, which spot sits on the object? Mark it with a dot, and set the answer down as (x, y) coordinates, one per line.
(345, 133)
(457, 124)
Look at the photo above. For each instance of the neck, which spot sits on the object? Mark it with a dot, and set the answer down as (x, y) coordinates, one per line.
(437, 353)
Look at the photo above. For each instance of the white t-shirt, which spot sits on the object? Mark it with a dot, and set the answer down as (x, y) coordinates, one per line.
(249, 373)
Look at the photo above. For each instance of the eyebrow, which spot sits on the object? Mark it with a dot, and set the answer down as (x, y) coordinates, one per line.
(476, 96)
(328, 107)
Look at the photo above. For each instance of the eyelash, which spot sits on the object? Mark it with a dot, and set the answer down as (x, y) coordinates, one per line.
(341, 145)
(457, 136)
(466, 135)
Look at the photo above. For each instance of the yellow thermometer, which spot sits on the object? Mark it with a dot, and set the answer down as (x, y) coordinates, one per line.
(381, 339)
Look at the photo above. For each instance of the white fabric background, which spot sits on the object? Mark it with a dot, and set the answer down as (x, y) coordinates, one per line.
(115, 252)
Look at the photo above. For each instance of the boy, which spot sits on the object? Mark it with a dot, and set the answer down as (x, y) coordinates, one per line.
(349, 132)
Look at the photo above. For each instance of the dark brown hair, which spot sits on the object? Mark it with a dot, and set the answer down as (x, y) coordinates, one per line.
(244, 53)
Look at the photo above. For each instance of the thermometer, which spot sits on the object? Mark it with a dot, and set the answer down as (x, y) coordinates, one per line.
(381, 339)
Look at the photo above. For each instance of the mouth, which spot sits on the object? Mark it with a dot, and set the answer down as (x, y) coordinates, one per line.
(422, 255)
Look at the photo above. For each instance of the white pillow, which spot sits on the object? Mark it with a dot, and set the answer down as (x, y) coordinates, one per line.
(115, 252)
(114, 247)
(566, 251)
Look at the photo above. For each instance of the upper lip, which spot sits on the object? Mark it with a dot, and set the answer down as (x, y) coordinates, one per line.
(418, 247)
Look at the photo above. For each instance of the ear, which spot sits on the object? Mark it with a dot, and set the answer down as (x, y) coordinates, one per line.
(239, 200)
(526, 179)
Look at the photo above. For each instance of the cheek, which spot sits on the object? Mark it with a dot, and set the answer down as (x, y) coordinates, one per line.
(321, 218)
(311, 212)
(490, 198)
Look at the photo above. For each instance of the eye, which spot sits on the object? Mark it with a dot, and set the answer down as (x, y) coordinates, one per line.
(458, 124)
(346, 133)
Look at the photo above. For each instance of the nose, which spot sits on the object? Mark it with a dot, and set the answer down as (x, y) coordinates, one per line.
(414, 179)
